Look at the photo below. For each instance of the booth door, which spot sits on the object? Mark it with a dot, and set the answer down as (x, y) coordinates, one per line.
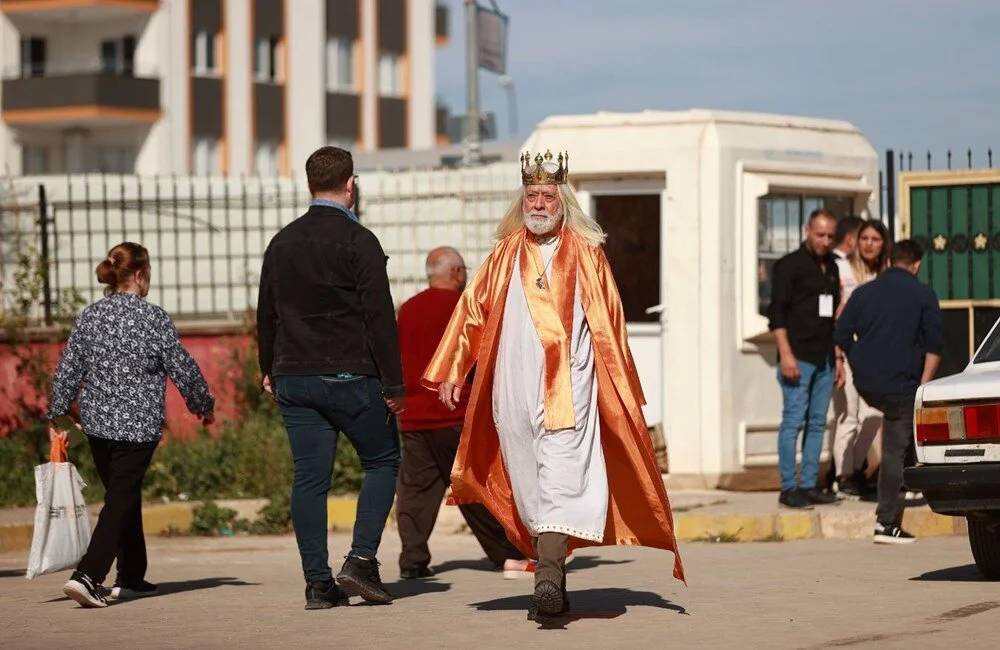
(632, 222)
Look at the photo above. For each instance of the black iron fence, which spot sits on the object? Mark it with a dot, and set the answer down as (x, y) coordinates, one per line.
(908, 161)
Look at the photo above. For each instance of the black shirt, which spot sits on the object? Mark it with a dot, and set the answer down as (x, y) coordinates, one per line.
(324, 305)
(797, 284)
(896, 321)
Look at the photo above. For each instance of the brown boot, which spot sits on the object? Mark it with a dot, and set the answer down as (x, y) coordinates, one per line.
(550, 576)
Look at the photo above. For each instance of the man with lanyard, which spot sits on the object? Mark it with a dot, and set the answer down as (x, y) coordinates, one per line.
(804, 299)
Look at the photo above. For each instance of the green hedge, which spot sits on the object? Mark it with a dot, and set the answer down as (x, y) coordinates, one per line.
(249, 458)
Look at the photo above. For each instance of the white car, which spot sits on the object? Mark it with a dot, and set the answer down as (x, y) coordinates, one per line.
(957, 432)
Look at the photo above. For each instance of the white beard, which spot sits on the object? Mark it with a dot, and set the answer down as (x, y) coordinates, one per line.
(540, 224)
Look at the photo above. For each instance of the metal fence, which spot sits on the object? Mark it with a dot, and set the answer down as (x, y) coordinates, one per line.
(207, 236)
(900, 161)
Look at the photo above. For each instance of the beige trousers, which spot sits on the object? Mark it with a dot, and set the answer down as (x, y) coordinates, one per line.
(856, 426)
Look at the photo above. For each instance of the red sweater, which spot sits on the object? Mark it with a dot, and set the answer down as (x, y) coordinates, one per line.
(421, 323)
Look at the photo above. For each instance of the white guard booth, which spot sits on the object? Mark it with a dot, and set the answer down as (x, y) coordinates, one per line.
(698, 206)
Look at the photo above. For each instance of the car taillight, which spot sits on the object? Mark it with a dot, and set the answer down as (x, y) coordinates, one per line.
(982, 421)
(932, 425)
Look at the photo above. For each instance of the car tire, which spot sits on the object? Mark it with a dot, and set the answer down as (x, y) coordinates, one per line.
(984, 538)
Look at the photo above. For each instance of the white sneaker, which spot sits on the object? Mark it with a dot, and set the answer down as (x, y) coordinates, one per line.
(83, 590)
(517, 569)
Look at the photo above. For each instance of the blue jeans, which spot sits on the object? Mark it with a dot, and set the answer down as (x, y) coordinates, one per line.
(805, 403)
(315, 408)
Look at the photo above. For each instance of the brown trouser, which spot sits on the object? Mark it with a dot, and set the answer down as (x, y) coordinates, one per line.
(424, 475)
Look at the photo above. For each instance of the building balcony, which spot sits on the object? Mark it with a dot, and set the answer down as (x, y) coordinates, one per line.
(76, 10)
(80, 98)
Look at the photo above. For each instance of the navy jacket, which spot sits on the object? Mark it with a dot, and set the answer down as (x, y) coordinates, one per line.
(886, 328)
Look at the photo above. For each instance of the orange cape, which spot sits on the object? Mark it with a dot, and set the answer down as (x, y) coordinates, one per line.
(638, 508)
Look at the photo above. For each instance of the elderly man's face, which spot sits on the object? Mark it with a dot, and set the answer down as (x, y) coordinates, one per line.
(542, 209)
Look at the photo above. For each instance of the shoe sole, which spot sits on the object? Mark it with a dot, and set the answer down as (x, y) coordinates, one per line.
(885, 539)
(548, 598)
(326, 604)
(514, 574)
(785, 505)
(355, 587)
(78, 592)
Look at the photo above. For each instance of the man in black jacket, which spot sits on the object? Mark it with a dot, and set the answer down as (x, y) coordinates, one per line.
(892, 333)
(329, 353)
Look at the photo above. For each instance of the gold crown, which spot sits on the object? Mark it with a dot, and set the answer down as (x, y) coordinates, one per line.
(542, 171)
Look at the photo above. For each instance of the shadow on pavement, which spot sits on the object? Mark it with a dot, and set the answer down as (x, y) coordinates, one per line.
(12, 573)
(606, 603)
(482, 564)
(964, 573)
(179, 587)
(590, 561)
(409, 588)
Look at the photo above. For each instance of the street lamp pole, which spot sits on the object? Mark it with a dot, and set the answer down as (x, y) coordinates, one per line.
(471, 151)
(507, 83)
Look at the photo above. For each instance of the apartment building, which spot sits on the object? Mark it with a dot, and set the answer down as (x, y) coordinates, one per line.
(212, 87)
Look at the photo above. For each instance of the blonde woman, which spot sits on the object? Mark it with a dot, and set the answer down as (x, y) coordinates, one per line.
(856, 423)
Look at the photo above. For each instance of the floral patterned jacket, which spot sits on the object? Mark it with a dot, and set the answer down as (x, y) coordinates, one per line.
(117, 359)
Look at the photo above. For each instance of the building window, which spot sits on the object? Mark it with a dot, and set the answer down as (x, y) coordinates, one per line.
(390, 76)
(206, 160)
(113, 159)
(266, 159)
(33, 56)
(781, 219)
(118, 55)
(35, 160)
(205, 59)
(266, 59)
(339, 64)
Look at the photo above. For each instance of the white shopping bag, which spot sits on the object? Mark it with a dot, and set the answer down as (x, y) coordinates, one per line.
(62, 523)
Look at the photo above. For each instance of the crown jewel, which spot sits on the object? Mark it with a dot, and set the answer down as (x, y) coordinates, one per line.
(542, 171)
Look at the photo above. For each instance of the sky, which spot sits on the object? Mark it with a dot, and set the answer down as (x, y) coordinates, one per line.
(913, 75)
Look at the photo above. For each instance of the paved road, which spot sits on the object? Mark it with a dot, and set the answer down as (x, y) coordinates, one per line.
(809, 594)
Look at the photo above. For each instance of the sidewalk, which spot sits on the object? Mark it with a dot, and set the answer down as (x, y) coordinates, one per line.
(699, 515)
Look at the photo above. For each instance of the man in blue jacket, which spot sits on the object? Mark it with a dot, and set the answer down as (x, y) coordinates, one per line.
(891, 332)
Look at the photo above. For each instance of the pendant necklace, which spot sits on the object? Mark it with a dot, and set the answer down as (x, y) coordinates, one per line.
(540, 281)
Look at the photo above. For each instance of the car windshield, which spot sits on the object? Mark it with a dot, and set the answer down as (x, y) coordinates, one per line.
(991, 348)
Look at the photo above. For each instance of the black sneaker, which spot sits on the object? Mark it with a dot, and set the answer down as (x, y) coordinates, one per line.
(891, 534)
(82, 589)
(848, 490)
(324, 595)
(128, 592)
(417, 572)
(817, 497)
(794, 499)
(359, 577)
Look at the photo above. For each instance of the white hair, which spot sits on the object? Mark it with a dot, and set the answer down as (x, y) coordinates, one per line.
(443, 263)
(576, 219)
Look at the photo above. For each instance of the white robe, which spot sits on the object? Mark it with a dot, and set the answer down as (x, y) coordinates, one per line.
(559, 479)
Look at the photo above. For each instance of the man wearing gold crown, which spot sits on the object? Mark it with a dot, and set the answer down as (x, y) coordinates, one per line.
(554, 442)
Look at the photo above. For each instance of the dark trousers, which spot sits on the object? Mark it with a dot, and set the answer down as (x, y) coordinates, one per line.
(897, 441)
(424, 476)
(315, 408)
(121, 466)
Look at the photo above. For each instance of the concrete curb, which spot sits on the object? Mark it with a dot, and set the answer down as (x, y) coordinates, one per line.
(822, 523)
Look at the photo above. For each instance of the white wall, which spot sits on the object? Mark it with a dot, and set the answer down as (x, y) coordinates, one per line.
(10, 56)
(239, 97)
(306, 84)
(420, 50)
(369, 62)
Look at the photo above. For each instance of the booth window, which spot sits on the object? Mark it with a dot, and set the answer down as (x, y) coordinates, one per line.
(780, 222)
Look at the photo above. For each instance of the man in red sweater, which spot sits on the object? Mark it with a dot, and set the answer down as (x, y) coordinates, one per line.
(431, 432)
